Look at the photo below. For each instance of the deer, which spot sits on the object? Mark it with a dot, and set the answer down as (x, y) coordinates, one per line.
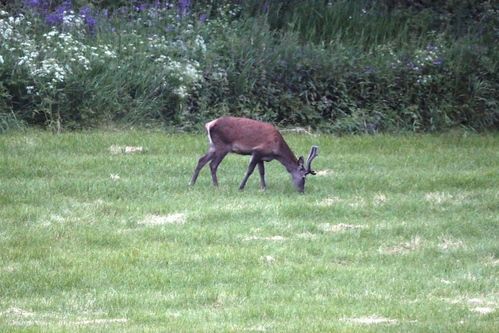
(261, 140)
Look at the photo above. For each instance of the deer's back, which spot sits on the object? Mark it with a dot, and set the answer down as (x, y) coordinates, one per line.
(244, 136)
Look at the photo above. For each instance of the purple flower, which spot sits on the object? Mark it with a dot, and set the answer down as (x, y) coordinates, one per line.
(266, 7)
(85, 11)
(183, 7)
(369, 70)
(57, 16)
(33, 3)
(90, 21)
(54, 18)
(412, 66)
(438, 62)
(432, 47)
(158, 4)
(41, 6)
(203, 17)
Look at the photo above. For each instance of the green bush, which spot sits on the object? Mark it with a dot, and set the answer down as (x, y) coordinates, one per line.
(336, 66)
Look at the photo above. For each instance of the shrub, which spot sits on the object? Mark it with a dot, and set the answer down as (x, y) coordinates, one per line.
(341, 66)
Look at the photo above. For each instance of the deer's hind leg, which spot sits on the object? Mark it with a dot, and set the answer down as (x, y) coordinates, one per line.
(215, 162)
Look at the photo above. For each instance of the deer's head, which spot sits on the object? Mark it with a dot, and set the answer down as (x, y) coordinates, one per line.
(304, 169)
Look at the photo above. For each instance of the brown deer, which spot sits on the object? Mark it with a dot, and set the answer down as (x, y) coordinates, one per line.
(260, 140)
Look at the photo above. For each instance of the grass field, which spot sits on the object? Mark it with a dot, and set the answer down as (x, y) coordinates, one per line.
(394, 234)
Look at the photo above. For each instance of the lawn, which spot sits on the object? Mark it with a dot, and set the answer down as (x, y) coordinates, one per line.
(394, 234)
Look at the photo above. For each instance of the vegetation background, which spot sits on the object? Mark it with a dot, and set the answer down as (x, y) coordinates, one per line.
(336, 66)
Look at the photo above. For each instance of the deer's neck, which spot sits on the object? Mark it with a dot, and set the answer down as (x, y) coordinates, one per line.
(288, 159)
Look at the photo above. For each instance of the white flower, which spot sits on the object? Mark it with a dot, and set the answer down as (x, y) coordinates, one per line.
(52, 33)
(1, 59)
(109, 53)
(181, 91)
(199, 41)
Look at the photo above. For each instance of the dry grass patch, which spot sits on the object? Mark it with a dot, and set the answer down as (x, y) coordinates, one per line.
(357, 202)
(403, 248)
(447, 243)
(257, 328)
(20, 317)
(268, 259)
(341, 227)
(354, 202)
(491, 261)
(370, 320)
(324, 173)
(438, 198)
(327, 202)
(151, 220)
(263, 238)
(379, 199)
(306, 235)
(99, 321)
(11, 268)
(480, 305)
(114, 177)
(115, 149)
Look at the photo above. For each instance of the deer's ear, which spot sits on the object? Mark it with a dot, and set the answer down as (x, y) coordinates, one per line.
(300, 161)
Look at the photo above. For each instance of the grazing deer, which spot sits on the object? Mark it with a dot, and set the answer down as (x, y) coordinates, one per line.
(260, 140)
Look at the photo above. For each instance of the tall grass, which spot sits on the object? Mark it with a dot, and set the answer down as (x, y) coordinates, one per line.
(356, 23)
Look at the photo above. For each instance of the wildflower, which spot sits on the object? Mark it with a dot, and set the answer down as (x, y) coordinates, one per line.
(1, 60)
(181, 92)
(183, 7)
(199, 41)
(265, 7)
(71, 20)
(438, 62)
(369, 70)
(90, 21)
(33, 3)
(57, 16)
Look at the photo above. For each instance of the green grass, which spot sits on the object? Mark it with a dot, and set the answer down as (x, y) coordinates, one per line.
(402, 229)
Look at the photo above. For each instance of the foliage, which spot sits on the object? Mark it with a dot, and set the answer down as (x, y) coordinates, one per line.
(341, 66)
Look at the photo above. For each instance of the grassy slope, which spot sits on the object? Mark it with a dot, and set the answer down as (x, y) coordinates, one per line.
(394, 228)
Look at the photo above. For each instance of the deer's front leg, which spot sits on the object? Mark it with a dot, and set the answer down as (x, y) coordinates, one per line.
(261, 169)
(253, 162)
